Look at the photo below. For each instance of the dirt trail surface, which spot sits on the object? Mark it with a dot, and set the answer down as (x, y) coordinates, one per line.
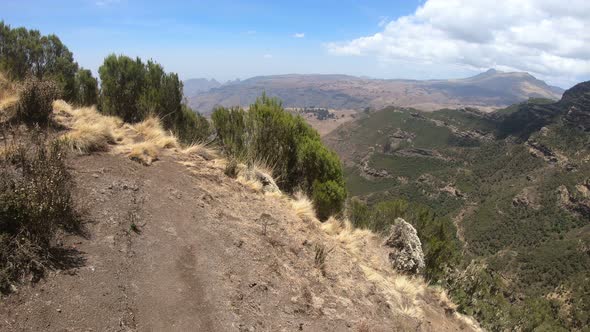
(178, 246)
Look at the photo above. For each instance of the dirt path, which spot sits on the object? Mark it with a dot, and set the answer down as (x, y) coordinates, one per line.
(205, 253)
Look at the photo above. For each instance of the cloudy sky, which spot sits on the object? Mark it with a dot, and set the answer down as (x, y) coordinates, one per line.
(418, 39)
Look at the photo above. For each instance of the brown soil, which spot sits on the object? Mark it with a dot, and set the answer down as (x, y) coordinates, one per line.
(209, 254)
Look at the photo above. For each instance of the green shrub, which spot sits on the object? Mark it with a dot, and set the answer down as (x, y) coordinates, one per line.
(133, 91)
(230, 128)
(35, 201)
(25, 53)
(328, 198)
(231, 169)
(267, 133)
(35, 101)
(191, 127)
(122, 83)
(86, 88)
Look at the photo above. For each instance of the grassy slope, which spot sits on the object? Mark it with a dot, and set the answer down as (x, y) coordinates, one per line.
(534, 249)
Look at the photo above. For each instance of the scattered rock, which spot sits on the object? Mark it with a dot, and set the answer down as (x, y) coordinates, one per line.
(407, 256)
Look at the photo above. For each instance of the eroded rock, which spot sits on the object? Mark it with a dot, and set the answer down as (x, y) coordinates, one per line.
(407, 255)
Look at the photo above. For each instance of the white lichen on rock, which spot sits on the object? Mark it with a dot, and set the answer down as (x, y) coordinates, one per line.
(407, 255)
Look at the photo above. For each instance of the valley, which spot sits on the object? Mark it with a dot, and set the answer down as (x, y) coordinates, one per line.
(514, 183)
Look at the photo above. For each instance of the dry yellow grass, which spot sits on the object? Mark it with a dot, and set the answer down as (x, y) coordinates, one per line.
(152, 131)
(250, 176)
(202, 150)
(145, 153)
(402, 292)
(89, 130)
(8, 98)
(303, 207)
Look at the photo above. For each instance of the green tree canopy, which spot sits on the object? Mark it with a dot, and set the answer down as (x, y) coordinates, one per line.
(26, 53)
(134, 90)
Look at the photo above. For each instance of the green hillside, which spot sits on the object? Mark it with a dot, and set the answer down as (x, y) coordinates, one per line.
(516, 183)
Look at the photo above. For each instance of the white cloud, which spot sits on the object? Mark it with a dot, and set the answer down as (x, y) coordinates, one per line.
(545, 37)
(267, 56)
(299, 35)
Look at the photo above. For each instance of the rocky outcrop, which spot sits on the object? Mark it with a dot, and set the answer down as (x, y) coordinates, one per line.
(451, 190)
(576, 203)
(407, 255)
(424, 153)
(577, 101)
(526, 198)
(542, 151)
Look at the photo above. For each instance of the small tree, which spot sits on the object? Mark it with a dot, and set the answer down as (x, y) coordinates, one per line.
(86, 88)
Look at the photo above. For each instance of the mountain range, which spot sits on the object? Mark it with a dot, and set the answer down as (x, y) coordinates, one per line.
(195, 85)
(490, 90)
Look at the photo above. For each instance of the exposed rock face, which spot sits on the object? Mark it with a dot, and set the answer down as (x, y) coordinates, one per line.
(451, 190)
(526, 198)
(577, 205)
(407, 255)
(577, 101)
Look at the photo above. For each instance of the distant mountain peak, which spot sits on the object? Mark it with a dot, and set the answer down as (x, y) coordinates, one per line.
(488, 90)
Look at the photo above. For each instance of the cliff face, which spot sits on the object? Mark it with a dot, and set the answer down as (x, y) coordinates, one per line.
(577, 102)
(178, 245)
(574, 108)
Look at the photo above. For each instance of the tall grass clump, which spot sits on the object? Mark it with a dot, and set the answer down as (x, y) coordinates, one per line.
(267, 134)
(35, 202)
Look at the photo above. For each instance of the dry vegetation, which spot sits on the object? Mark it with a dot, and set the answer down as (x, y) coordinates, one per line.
(89, 131)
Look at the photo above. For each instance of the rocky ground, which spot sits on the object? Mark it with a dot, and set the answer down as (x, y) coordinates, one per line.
(180, 246)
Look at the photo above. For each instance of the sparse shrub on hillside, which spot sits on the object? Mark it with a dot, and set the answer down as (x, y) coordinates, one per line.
(328, 198)
(35, 201)
(266, 132)
(35, 101)
(135, 91)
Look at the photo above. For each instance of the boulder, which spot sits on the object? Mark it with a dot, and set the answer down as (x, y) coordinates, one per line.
(406, 255)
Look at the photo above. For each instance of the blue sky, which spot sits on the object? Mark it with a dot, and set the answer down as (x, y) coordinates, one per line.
(239, 39)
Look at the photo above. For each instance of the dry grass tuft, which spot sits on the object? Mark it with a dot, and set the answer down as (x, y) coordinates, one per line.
(303, 207)
(402, 292)
(145, 153)
(8, 98)
(152, 131)
(89, 130)
(258, 177)
(201, 150)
